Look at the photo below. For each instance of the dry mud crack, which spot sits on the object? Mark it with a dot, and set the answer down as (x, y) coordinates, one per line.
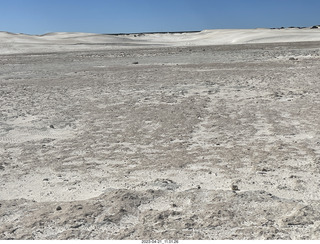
(211, 142)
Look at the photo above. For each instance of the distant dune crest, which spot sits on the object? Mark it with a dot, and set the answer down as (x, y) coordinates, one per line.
(73, 41)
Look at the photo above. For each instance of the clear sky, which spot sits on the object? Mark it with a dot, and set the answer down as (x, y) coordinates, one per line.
(128, 16)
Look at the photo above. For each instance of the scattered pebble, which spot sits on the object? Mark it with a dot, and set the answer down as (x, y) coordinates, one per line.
(235, 188)
(58, 208)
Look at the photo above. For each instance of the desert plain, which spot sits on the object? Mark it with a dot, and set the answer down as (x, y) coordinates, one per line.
(209, 135)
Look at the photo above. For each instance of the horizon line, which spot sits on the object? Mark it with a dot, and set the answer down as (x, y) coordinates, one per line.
(164, 32)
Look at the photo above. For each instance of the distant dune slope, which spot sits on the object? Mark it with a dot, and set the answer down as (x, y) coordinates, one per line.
(64, 41)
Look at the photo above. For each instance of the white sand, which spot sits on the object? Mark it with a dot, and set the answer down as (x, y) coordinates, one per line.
(62, 41)
(93, 146)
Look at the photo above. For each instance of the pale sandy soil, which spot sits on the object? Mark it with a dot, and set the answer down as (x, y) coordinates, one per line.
(93, 146)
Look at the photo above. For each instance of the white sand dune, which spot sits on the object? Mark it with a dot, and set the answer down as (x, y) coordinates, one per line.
(64, 41)
(236, 36)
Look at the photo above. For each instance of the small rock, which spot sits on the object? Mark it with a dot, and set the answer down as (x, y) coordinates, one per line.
(51, 126)
(199, 187)
(45, 179)
(58, 208)
(235, 188)
(135, 62)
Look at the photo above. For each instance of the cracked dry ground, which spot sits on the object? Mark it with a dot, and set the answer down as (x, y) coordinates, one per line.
(95, 147)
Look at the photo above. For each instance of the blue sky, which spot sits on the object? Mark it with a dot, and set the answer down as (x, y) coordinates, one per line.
(127, 16)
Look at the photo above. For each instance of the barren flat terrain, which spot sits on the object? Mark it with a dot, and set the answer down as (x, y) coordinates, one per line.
(176, 142)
